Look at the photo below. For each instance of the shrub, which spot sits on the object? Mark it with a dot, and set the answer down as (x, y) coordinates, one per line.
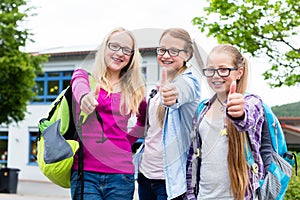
(293, 190)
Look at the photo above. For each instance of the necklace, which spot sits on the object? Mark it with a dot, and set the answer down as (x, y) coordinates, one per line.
(223, 106)
(222, 109)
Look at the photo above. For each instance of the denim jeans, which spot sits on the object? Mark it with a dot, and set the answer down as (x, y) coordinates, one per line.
(103, 186)
(151, 189)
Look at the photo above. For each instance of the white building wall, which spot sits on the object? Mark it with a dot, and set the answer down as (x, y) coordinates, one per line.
(19, 143)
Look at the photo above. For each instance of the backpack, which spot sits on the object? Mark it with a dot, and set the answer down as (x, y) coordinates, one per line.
(277, 160)
(58, 139)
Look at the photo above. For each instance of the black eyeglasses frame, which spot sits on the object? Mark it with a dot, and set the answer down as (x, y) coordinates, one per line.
(158, 49)
(120, 47)
(217, 70)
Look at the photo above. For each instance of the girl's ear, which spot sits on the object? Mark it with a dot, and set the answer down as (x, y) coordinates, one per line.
(188, 55)
(240, 72)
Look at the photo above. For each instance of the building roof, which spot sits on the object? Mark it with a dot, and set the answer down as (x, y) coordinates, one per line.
(147, 40)
(290, 123)
(291, 129)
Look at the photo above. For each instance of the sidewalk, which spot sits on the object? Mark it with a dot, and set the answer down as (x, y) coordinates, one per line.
(37, 190)
(34, 190)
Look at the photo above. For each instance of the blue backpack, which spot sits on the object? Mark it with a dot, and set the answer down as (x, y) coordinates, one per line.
(278, 161)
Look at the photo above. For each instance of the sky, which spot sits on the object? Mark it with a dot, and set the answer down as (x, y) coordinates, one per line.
(85, 22)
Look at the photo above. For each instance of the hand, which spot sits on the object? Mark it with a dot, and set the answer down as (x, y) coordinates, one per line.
(235, 102)
(168, 91)
(89, 101)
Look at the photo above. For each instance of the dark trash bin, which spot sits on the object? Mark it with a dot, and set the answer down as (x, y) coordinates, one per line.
(9, 180)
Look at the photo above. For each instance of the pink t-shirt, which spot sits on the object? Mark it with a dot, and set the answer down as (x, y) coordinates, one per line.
(151, 164)
(108, 150)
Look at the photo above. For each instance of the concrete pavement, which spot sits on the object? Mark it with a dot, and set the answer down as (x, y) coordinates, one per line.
(36, 190)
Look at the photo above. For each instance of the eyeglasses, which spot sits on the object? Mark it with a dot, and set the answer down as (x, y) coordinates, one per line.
(116, 47)
(222, 72)
(172, 52)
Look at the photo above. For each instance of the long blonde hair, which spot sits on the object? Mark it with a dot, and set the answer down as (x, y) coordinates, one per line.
(132, 83)
(237, 165)
(182, 34)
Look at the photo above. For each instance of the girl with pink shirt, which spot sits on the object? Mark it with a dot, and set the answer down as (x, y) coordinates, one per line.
(119, 95)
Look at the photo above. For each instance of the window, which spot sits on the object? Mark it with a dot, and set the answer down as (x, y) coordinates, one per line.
(3, 148)
(144, 69)
(50, 84)
(32, 147)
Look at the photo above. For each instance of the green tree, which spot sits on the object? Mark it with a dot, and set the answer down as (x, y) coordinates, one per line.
(17, 69)
(259, 27)
(287, 110)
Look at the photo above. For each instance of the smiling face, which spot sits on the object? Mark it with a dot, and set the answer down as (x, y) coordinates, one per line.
(175, 47)
(115, 58)
(219, 84)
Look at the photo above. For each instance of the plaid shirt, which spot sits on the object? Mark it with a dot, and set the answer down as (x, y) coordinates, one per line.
(252, 124)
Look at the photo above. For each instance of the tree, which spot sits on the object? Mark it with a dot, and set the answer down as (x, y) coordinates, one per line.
(287, 110)
(259, 27)
(18, 69)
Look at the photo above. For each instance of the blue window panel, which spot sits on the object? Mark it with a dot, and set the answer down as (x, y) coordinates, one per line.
(3, 148)
(49, 85)
(32, 148)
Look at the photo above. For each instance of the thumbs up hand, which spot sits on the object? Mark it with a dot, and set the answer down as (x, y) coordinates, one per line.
(168, 91)
(235, 102)
(89, 101)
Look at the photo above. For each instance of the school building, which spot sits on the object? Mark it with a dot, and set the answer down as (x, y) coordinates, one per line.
(18, 141)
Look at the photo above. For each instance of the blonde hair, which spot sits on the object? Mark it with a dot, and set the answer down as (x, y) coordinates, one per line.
(237, 165)
(182, 34)
(132, 83)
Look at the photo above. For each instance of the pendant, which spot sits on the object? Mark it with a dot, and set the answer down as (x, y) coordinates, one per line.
(223, 132)
(222, 109)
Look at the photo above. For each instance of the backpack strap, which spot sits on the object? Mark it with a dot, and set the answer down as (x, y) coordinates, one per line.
(151, 95)
(251, 162)
(279, 144)
(196, 145)
(291, 158)
(81, 120)
(249, 157)
(80, 159)
(195, 135)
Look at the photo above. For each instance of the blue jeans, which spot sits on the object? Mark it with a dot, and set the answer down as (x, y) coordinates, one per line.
(151, 189)
(103, 186)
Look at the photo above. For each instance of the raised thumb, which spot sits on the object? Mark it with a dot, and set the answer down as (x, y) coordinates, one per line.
(232, 87)
(97, 90)
(164, 76)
